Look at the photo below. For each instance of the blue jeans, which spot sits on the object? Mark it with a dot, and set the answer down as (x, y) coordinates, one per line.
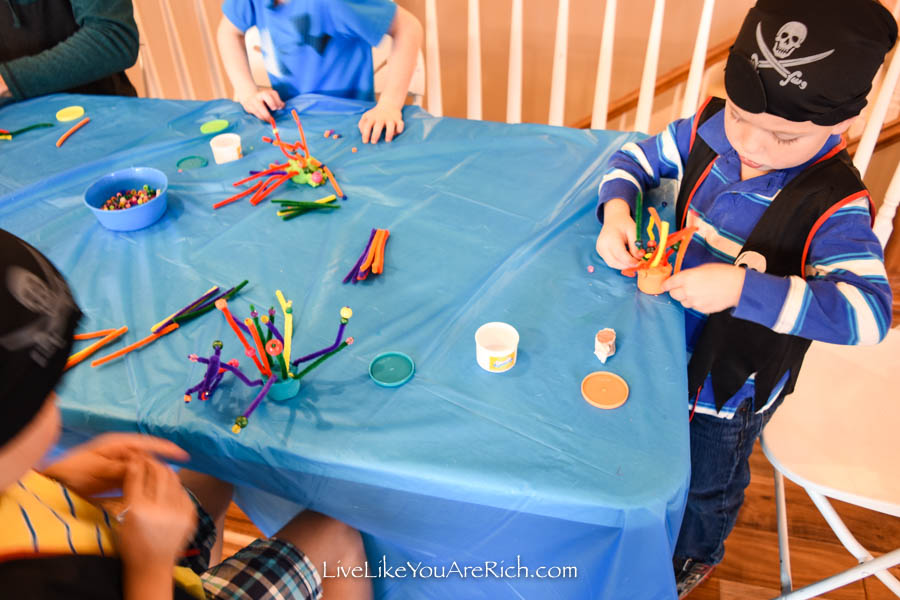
(720, 471)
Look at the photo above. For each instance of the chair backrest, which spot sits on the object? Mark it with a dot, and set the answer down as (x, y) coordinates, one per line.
(885, 90)
(178, 56)
(560, 60)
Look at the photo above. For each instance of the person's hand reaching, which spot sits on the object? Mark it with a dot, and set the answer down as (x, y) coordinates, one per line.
(616, 242)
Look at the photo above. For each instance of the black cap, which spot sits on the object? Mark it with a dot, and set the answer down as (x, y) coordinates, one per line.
(809, 60)
(37, 320)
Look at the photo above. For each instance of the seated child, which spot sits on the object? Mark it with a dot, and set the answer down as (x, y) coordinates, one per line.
(783, 252)
(56, 543)
(323, 47)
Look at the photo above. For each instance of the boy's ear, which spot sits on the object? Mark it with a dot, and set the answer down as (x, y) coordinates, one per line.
(844, 125)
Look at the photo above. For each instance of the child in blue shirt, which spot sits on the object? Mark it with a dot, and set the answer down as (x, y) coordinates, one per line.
(783, 252)
(324, 47)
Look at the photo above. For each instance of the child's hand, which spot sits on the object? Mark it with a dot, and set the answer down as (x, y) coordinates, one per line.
(160, 517)
(381, 118)
(709, 288)
(259, 102)
(616, 242)
(99, 465)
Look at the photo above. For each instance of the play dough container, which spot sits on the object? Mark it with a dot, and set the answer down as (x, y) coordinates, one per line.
(283, 390)
(650, 280)
(136, 217)
(496, 344)
(605, 344)
(226, 147)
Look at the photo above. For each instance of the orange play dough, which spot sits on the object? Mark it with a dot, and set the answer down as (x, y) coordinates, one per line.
(650, 280)
(604, 389)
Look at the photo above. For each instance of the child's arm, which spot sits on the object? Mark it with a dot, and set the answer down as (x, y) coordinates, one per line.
(845, 297)
(99, 465)
(106, 42)
(160, 519)
(234, 56)
(387, 115)
(635, 168)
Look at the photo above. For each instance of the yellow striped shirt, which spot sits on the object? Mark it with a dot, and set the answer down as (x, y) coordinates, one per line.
(41, 516)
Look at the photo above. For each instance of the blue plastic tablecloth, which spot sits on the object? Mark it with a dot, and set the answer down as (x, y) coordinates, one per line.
(489, 222)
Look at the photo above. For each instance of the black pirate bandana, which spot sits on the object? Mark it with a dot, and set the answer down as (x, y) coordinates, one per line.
(37, 320)
(808, 60)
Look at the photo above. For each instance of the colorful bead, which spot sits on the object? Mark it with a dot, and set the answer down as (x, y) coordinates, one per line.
(130, 198)
(274, 347)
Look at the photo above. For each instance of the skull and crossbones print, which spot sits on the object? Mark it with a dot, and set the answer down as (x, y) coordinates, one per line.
(789, 38)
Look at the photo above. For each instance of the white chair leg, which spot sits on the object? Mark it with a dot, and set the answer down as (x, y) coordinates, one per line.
(850, 543)
(886, 561)
(784, 553)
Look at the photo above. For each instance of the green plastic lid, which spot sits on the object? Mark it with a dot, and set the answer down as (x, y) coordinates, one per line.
(391, 369)
(214, 126)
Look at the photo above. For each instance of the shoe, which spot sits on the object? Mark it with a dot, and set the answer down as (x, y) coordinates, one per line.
(689, 574)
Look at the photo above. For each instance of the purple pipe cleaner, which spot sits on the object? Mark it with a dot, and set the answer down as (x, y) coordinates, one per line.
(353, 272)
(260, 396)
(337, 342)
(275, 331)
(240, 375)
(190, 307)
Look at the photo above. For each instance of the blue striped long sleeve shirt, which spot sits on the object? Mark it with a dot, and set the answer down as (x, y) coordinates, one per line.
(844, 297)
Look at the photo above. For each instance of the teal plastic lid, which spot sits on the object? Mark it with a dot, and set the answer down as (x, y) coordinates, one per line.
(391, 369)
(192, 162)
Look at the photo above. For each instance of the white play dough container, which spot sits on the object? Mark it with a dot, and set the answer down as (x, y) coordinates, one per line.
(496, 344)
(226, 147)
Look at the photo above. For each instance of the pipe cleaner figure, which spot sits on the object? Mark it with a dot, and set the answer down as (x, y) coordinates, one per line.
(270, 352)
(299, 168)
(215, 371)
(654, 267)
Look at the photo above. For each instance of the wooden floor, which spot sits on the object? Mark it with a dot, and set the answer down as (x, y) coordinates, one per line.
(750, 568)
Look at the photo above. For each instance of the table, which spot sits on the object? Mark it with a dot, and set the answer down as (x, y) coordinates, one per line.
(459, 466)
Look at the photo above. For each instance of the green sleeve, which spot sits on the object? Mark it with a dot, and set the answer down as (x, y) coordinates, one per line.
(105, 43)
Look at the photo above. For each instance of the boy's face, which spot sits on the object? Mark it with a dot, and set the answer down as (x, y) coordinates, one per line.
(24, 451)
(765, 142)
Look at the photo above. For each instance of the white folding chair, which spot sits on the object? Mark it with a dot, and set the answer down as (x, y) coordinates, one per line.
(560, 57)
(836, 435)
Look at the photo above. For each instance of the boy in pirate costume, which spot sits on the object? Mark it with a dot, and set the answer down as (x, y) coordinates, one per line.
(783, 253)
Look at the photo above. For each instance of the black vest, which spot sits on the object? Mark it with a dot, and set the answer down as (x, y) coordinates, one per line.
(731, 349)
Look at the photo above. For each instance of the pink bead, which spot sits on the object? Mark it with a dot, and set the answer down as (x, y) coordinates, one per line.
(590, 268)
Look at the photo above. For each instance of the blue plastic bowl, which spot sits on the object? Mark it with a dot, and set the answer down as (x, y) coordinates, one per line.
(136, 217)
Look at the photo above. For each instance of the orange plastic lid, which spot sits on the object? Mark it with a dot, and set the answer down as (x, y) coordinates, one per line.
(604, 389)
